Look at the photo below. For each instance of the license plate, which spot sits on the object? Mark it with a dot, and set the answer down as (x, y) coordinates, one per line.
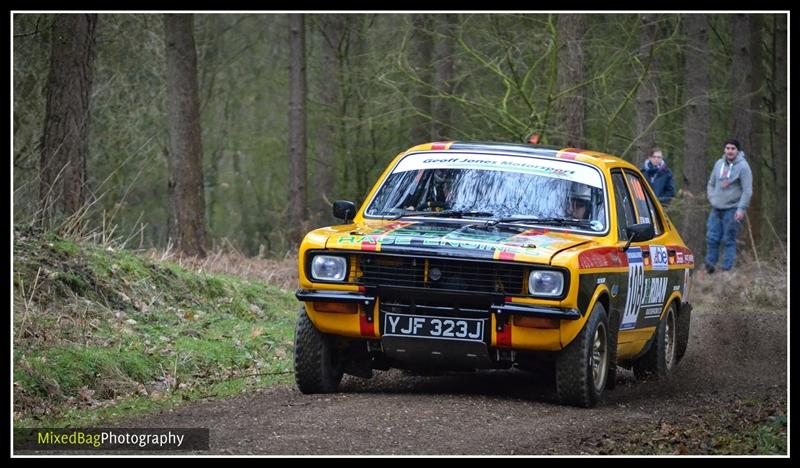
(441, 328)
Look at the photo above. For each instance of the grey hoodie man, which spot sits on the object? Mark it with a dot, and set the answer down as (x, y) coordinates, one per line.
(730, 188)
(731, 184)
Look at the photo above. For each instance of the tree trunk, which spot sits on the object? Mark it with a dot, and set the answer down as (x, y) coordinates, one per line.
(746, 82)
(243, 185)
(332, 29)
(444, 76)
(571, 72)
(297, 126)
(65, 140)
(780, 141)
(420, 60)
(188, 221)
(647, 93)
(696, 126)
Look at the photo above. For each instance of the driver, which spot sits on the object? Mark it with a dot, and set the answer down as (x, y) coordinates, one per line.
(438, 192)
(580, 196)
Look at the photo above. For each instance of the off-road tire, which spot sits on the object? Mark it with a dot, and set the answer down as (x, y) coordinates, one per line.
(576, 384)
(660, 360)
(317, 368)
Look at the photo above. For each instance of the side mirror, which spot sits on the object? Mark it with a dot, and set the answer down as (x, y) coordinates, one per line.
(343, 209)
(639, 233)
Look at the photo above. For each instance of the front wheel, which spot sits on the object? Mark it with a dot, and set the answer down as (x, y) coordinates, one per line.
(660, 360)
(582, 367)
(317, 367)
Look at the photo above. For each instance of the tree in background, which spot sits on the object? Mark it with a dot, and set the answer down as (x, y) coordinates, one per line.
(333, 30)
(570, 120)
(746, 91)
(187, 200)
(647, 92)
(65, 141)
(297, 127)
(444, 75)
(422, 54)
(777, 122)
(696, 130)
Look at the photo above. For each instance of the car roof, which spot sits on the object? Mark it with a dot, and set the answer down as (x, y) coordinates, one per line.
(595, 158)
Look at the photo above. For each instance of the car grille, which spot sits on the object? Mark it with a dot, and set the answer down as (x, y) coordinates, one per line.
(436, 273)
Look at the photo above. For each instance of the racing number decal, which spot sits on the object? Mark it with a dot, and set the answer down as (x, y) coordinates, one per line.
(635, 287)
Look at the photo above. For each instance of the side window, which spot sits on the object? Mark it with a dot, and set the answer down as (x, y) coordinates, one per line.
(644, 204)
(625, 214)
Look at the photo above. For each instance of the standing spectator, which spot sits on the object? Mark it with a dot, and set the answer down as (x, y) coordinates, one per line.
(659, 176)
(729, 190)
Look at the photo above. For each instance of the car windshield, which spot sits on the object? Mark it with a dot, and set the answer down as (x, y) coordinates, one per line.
(499, 188)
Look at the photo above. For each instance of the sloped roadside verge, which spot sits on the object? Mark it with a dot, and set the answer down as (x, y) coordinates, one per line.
(101, 333)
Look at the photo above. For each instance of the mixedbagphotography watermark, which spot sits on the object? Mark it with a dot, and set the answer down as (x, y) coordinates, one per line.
(111, 439)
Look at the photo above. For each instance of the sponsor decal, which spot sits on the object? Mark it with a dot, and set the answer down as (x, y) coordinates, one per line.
(503, 245)
(614, 290)
(686, 285)
(653, 312)
(655, 290)
(679, 256)
(635, 285)
(677, 287)
(527, 165)
(658, 254)
(690, 258)
(601, 281)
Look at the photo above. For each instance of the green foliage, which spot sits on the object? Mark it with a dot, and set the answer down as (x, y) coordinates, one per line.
(102, 327)
(65, 370)
(768, 438)
(65, 247)
(73, 282)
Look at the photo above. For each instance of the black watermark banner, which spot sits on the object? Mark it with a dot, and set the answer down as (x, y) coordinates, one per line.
(116, 438)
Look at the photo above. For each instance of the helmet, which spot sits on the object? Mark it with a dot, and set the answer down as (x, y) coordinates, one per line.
(580, 191)
(442, 176)
(580, 196)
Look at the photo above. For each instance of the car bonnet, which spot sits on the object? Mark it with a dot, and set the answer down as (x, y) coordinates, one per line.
(474, 240)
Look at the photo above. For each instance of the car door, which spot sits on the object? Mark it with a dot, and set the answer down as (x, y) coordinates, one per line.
(648, 262)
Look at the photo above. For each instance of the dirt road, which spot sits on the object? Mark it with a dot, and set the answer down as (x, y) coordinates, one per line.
(734, 373)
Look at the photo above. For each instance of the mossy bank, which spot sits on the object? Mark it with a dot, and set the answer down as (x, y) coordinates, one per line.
(101, 333)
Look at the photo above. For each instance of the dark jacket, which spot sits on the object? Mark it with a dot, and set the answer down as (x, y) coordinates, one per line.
(660, 179)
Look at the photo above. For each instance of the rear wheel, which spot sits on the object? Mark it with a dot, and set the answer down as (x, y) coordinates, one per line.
(682, 332)
(317, 365)
(582, 367)
(660, 360)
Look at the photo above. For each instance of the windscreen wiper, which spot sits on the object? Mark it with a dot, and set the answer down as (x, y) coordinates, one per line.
(535, 220)
(446, 214)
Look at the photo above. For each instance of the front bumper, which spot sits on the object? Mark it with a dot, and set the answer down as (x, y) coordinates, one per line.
(372, 302)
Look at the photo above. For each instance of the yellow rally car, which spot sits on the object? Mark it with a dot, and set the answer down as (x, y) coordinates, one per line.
(472, 256)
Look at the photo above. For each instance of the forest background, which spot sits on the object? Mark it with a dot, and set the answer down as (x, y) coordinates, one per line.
(199, 132)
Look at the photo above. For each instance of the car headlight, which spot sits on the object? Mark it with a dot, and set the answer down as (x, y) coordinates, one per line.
(546, 283)
(328, 268)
